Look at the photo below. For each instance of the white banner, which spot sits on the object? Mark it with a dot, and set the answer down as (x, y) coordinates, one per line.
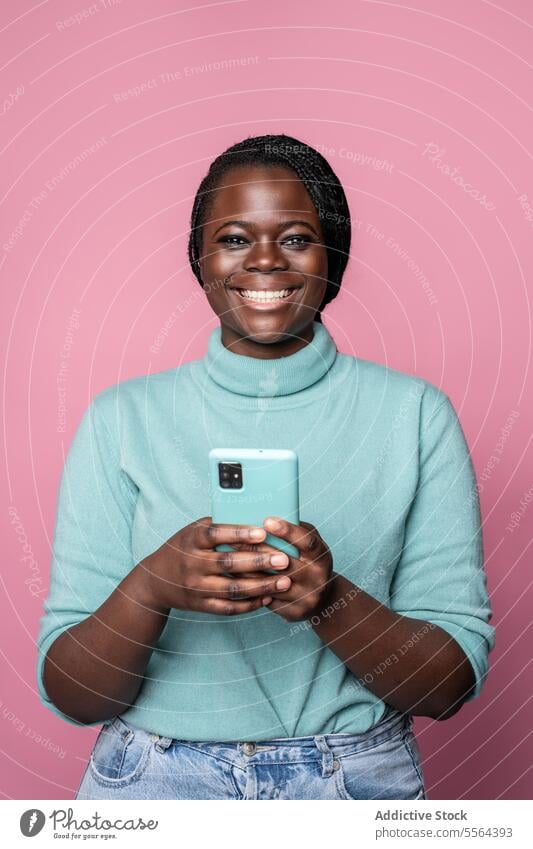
(178, 823)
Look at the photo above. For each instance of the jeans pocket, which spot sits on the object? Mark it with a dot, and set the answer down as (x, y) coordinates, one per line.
(384, 771)
(120, 754)
(412, 747)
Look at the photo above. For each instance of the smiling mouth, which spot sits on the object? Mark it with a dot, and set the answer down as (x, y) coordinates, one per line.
(264, 296)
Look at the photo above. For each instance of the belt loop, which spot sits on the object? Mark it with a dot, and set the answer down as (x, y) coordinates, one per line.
(162, 743)
(327, 755)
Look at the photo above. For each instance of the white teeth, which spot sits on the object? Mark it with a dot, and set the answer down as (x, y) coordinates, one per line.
(264, 296)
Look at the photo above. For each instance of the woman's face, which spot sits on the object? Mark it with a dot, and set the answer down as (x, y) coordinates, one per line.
(263, 235)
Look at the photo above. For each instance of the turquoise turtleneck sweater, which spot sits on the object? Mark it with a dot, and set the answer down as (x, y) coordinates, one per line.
(385, 476)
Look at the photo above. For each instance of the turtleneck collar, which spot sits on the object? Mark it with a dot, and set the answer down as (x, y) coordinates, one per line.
(256, 377)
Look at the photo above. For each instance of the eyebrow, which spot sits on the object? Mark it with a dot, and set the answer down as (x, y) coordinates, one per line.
(282, 226)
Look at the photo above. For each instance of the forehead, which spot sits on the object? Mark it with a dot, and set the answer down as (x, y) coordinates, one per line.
(261, 191)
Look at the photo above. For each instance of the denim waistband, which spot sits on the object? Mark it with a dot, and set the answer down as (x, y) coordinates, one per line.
(387, 726)
(393, 722)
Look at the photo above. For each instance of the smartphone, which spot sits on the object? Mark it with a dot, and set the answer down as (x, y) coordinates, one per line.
(249, 484)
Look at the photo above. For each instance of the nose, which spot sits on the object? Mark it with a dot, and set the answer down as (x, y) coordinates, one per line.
(265, 256)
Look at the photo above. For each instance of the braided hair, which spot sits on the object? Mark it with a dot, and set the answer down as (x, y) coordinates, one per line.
(321, 182)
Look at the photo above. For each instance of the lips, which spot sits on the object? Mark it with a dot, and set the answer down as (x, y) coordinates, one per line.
(266, 291)
(259, 283)
(266, 299)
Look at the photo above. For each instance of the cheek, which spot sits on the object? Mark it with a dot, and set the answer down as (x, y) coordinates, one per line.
(220, 264)
(315, 260)
(314, 265)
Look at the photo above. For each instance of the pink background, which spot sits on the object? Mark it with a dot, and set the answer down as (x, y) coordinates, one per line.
(100, 182)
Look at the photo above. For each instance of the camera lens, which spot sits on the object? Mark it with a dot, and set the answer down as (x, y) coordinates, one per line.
(230, 475)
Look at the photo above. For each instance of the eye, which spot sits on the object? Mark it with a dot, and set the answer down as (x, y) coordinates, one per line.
(297, 241)
(233, 241)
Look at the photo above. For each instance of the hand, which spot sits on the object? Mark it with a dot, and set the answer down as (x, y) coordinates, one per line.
(311, 573)
(189, 574)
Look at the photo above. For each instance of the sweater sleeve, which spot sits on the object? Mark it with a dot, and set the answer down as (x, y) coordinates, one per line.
(92, 538)
(440, 576)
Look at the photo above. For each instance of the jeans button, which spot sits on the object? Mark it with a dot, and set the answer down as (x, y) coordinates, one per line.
(336, 764)
(249, 748)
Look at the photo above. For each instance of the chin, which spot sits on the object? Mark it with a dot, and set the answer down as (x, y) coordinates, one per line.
(267, 336)
(265, 331)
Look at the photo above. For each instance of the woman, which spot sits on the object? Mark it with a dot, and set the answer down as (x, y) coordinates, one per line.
(215, 678)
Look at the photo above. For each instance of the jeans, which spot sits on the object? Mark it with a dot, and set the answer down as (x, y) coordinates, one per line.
(383, 763)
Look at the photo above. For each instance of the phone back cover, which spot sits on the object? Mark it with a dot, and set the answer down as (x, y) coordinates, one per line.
(270, 488)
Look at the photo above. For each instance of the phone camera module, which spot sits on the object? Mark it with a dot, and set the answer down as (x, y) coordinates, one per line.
(230, 475)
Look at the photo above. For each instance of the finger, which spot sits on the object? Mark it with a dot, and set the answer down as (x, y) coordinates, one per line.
(263, 547)
(225, 607)
(246, 561)
(209, 534)
(304, 536)
(237, 588)
(276, 605)
(256, 575)
(254, 546)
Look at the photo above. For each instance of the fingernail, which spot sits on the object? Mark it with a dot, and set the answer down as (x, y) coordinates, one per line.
(279, 560)
(267, 599)
(283, 583)
(273, 524)
(257, 533)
